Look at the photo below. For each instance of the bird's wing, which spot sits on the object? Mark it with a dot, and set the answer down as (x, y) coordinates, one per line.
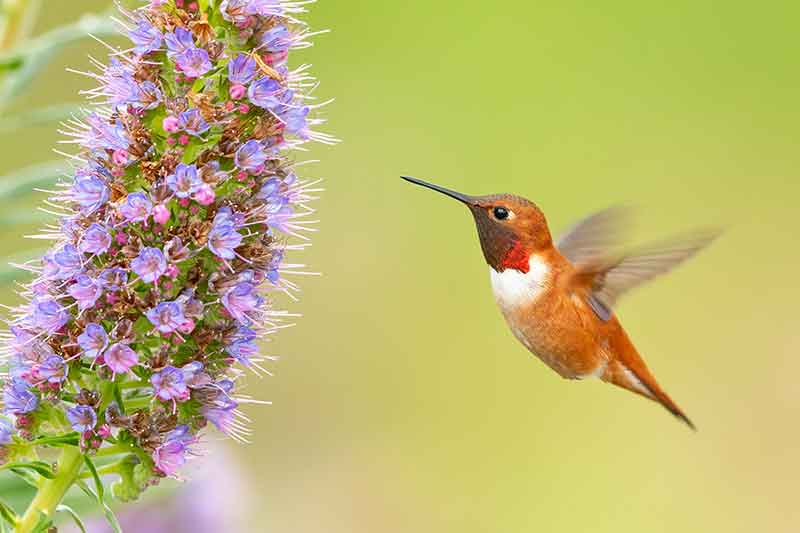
(606, 280)
(595, 236)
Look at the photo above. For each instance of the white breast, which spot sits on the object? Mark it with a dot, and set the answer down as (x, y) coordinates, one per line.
(513, 288)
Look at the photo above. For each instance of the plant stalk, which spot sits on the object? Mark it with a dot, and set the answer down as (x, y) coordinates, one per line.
(52, 491)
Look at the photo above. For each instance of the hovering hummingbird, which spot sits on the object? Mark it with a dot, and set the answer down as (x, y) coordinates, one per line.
(558, 298)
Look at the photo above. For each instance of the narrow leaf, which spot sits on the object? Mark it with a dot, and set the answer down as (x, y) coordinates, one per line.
(40, 467)
(8, 514)
(66, 509)
(112, 519)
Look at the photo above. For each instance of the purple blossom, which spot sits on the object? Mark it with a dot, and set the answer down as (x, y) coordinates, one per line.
(194, 375)
(121, 88)
(276, 39)
(82, 418)
(295, 120)
(68, 261)
(192, 122)
(103, 135)
(149, 265)
(93, 340)
(120, 358)
(185, 181)
(236, 11)
(90, 192)
(169, 384)
(172, 455)
(146, 38)
(242, 69)
(242, 302)
(193, 62)
(18, 399)
(179, 42)
(265, 92)
(250, 156)
(49, 315)
(53, 369)
(150, 95)
(6, 432)
(265, 8)
(223, 239)
(113, 279)
(137, 207)
(273, 268)
(243, 345)
(222, 416)
(86, 291)
(166, 316)
(96, 240)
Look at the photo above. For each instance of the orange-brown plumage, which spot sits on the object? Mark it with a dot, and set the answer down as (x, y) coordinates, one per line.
(558, 298)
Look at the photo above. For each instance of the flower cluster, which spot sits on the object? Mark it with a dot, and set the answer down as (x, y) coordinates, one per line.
(147, 310)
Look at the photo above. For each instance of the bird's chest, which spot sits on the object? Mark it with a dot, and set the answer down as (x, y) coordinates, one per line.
(518, 293)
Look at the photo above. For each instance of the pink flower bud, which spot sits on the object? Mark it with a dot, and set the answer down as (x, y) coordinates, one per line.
(121, 238)
(171, 124)
(104, 431)
(117, 172)
(244, 108)
(161, 214)
(187, 327)
(183, 139)
(237, 91)
(183, 202)
(205, 196)
(242, 175)
(193, 6)
(171, 141)
(229, 106)
(120, 157)
(173, 271)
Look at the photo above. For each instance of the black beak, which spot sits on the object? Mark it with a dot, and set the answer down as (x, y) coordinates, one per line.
(464, 198)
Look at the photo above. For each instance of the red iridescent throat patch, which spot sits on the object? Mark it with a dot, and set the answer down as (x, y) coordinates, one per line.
(517, 258)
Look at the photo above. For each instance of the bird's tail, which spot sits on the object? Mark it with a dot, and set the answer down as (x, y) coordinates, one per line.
(630, 372)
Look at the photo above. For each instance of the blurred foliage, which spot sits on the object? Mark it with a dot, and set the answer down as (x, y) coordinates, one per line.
(402, 403)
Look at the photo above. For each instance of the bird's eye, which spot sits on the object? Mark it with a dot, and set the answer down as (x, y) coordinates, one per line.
(500, 213)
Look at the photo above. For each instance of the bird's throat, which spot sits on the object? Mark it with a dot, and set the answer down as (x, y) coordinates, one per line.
(517, 258)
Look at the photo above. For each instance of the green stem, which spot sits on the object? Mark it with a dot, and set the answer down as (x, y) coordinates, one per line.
(52, 491)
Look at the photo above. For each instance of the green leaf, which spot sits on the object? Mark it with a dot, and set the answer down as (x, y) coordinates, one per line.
(44, 524)
(22, 181)
(40, 467)
(8, 514)
(68, 439)
(100, 496)
(66, 509)
(36, 117)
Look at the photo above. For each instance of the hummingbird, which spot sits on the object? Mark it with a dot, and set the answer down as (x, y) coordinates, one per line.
(558, 298)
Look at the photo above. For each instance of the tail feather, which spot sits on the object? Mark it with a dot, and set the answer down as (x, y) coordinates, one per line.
(634, 376)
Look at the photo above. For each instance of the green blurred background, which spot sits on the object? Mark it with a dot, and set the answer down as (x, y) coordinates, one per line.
(401, 402)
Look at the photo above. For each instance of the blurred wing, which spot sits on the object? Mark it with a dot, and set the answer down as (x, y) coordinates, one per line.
(609, 280)
(595, 236)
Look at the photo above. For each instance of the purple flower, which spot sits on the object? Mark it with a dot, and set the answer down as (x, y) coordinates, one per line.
(172, 455)
(184, 182)
(179, 42)
(82, 418)
(242, 301)
(222, 416)
(6, 432)
(250, 156)
(265, 8)
(193, 62)
(53, 369)
(149, 265)
(49, 315)
(223, 239)
(96, 240)
(113, 279)
(121, 88)
(166, 316)
(89, 192)
(243, 345)
(68, 260)
(277, 39)
(137, 207)
(86, 291)
(169, 384)
(192, 122)
(18, 399)
(295, 121)
(236, 11)
(93, 340)
(146, 38)
(150, 95)
(264, 93)
(242, 69)
(101, 134)
(120, 358)
(194, 375)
